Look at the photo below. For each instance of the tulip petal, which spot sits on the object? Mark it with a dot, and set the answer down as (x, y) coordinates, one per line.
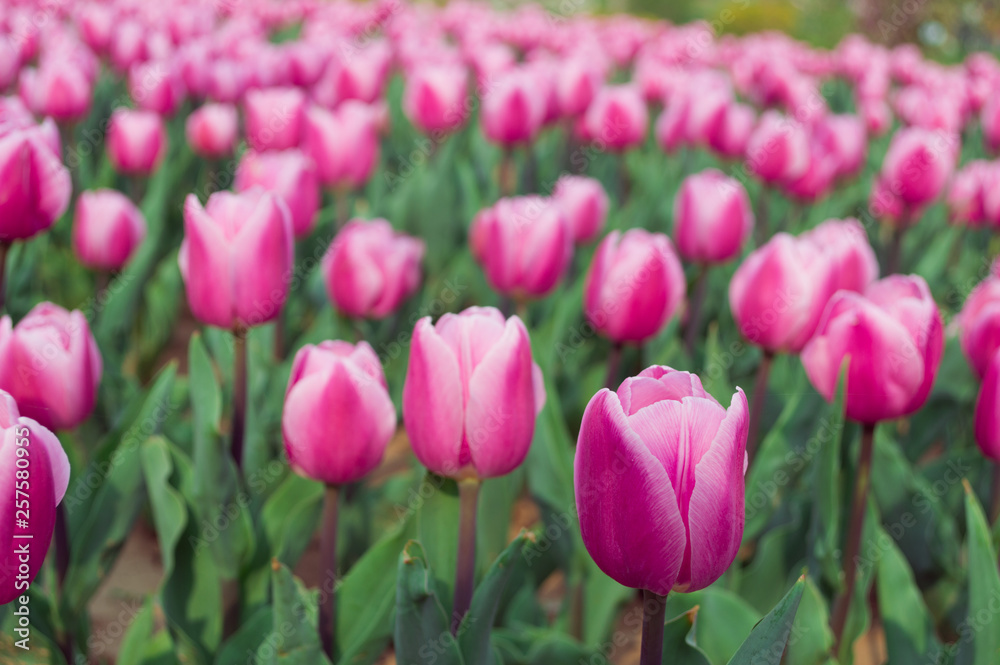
(204, 260)
(261, 274)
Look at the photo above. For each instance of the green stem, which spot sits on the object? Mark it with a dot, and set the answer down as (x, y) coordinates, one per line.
(507, 175)
(465, 570)
(4, 250)
(654, 612)
(614, 362)
(995, 494)
(239, 393)
(757, 405)
(697, 300)
(328, 554)
(895, 252)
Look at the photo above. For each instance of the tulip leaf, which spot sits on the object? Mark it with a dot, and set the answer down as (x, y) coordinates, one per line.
(858, 614)
(422, 623)
(724, 620)
(828, 494)
(980, 632)
(811, 638)
(679, 643)
(767, 641)
(168, 506)
(550, 458)
(294, 639)
(290, 516)
(497, 497)
(142, 643)
(253, 633)
(437, 528)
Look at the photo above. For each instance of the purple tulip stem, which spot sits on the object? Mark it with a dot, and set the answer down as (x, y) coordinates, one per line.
(697, 300)
(61, 537)
(995, 494)
(507, 175)
(895, 249)
(239, 393)
(4, 250)
(855, 528)
(521, 309)
(757, 403)
(614, 362)
(328, 554)
(654, 612)
(465, 570)
(341, 207)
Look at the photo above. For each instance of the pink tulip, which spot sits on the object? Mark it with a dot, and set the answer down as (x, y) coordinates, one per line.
(289, 175)
(137, 141)
(972, 195)
(512, 109)
(732, 134)
(96, 24)
(155, 86)
(987, 414)
(989, 120)
(659, 481)
(359, 75)
(50, 364)
(236, 258)
(274, 117)
(877, 116)
(472, 393)
(778, 293)
(338, 417)
(523, 244)
(885, 204)
(128, 44)
(894, 337)
(35, 187)
(918, 164)
(577, 81)
(617, 117)
(979, 323)
(342, 143)
(212, 130)
(852, 258)
(845, 139)
(435, 97)
(778, 149)
(57, 89)
(33, 462)
(370, 269)
(107, 229)
(584, 203)
(634, 285)
(712, 217)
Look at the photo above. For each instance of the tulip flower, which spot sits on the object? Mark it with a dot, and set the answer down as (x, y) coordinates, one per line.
(370, 269)
(512, 110)
(712, 217)
(34, 466)
(584, 203)
(617, 118)
(107, 229)
(51, 365)
(36, 185)
(156, 86)
(972, 195)
(288, 174)
(979, 323)
(360, 75)
(918, 164)
(57, 89)
(987, 427)
(471, 396)
(778, 149)
(659, 484)
(729, 138)
(893, 336)
(844, 137)
(852, 259)
(577, 83)
(990, 122)
(137, 141)
(212, 130)
(274, 118)
(435, 97)
(523, 244)
(342, 143)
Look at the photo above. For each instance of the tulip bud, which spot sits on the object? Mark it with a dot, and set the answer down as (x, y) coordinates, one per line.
(107, 229)
(989, 120)
(987, 414)
(778, 149)
(57, 89)
(338, 417)
(513, 110)
(576, 85)
(712, 217)
(50, 364)
(212, 130)
(731, 135)
(523, 244)
(36, 185)
(236, 257)
(155, 86)
(32, 461)
(274, 117)
(634, 285)
(370, 269)
(851, 256)
(659, 481)
(979, 323)
(472, 393)
(137, 141)
(918, 164)
(358, 75)
(342, 143)
(617, 117)
(288, 174)
(894, 337)
(584, 203)
(845, 139)
(435, 97)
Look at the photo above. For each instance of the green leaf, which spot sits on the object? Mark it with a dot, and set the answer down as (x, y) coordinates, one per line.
(811, 639)
(142, 644)
(290, 516)
(169, 509)
(724, 620)
(827, 490)
(679, 643)
(422, 625)
(766, 643)
(248, 639)
(437, 529)
(296, 618)
(983, 623)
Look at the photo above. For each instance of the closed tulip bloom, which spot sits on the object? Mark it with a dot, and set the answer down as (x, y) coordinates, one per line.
(918, 164)
(513, 110)
(137, 141)
(987, 414)
(156, 86)
(288, 174)
(32, 461)
(979, 323)
(370, 269)
(472, 393)
(584, 203)
(885, 204)
(712, 217)
(338, 417)
(50, 364)
(617, 117)
(435, 97)
(343, 143)
(523, 244)
(990, 122)
(107, 229)
(274, 117)
(732, 134)
(35, 187)
(894, 338)
(659, 481)
(778, 293)
(846, 245)
(236, 257)
(778, 149)
(576, 85)
(57, 89)
(359, 75)
(212, 130)
(845, 139)
(634, 285)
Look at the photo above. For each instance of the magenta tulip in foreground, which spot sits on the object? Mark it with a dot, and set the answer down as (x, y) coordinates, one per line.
(338, 416)
(137, 141)
(659, 481)
(51, 365)
(236, 258)
(712, 217)
(33, 461)
(987, 417)
(370, 269)
(980, 324)
(107, 229)
(472, 393)
(36, 187)
(894, 337)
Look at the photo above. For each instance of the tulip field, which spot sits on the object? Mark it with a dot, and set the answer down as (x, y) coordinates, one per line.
(356, 333)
